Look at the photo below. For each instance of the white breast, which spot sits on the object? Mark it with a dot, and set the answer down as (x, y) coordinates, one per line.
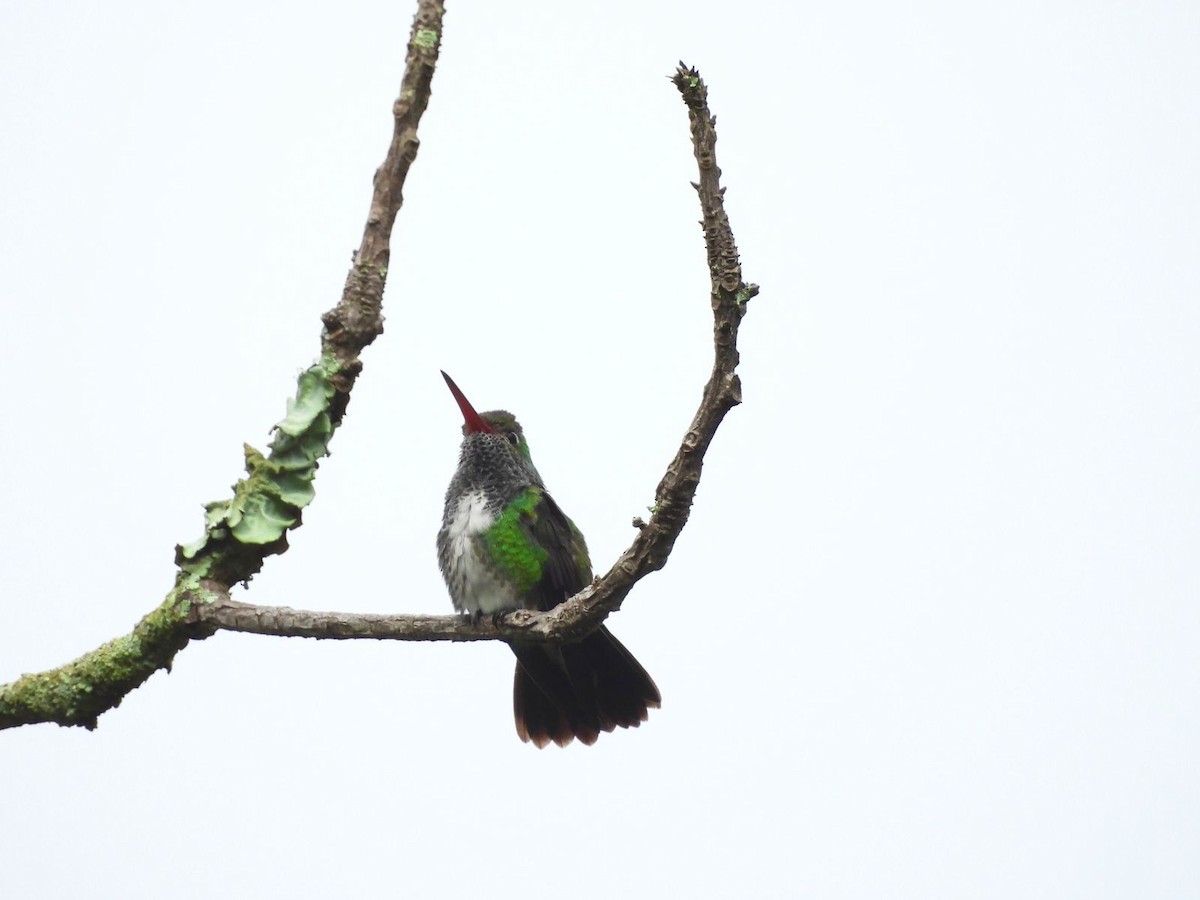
(473, 588)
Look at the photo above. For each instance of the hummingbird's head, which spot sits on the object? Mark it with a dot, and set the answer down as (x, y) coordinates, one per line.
(493, 439)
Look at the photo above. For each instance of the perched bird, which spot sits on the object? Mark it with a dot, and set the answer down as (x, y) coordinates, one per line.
(504, 545)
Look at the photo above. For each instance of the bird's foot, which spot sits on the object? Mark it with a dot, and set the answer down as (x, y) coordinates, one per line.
(476, 616)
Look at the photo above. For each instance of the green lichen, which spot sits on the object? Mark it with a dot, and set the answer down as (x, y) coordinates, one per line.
(77, 693)
(425, 37)
(277, 486)
(509, 545)
(745, 293)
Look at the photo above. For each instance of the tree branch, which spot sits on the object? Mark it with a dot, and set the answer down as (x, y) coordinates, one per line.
(243, 531)
(584, 612)
(283, 621)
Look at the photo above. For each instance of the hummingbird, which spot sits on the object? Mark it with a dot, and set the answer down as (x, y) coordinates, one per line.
(505, 544)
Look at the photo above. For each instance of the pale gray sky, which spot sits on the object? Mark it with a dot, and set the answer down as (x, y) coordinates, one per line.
(932, 629)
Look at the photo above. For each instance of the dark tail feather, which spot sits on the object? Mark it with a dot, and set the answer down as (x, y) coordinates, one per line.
(568, 691)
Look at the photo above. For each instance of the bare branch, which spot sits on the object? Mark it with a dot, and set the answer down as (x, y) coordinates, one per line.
(283, 621)
(729, 295)
(358, 318)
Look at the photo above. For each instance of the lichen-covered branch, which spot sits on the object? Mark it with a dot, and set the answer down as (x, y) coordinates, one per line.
(77, 693)
(241, 532)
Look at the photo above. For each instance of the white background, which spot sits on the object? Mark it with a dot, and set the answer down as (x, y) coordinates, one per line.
(932, 629)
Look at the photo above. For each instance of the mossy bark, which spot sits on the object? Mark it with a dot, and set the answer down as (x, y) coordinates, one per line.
(77, 693)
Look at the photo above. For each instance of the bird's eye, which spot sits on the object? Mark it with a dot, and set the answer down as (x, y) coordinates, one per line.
(514, 438)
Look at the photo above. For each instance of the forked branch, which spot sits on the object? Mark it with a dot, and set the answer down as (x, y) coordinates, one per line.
(243, 531)
(585, 611)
